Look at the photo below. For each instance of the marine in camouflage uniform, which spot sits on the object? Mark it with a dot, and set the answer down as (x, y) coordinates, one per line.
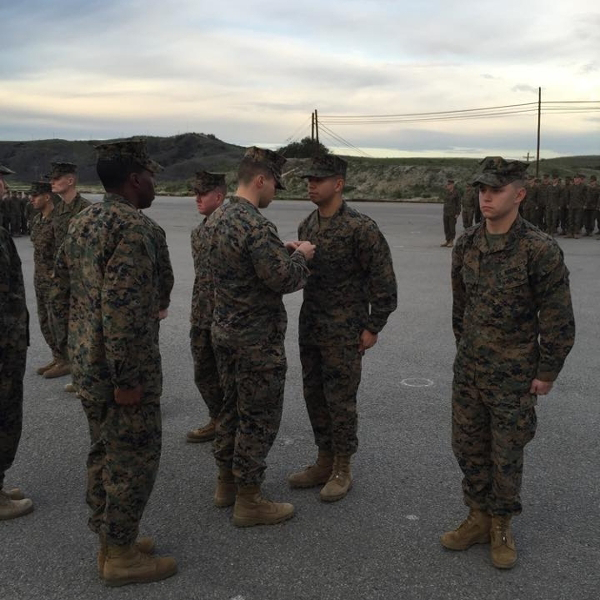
(451, 210)
(349, 296)
(14, 338)
(591, 206)
(44, 253)
(577, 202)
(553, 206)
(565, 191)
(469, 201)
(530, 203)
(543, 193)
(210, 190)
(513, 323)
(109, 284)
(15, 215)
(251, 270)
(63, 177)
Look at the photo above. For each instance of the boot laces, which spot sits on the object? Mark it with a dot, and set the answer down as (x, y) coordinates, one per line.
(501, 526)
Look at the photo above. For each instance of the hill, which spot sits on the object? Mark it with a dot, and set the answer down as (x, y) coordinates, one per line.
(183, 155)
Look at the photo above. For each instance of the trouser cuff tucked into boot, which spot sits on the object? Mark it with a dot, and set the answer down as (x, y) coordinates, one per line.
(252, 509)
(340, 480)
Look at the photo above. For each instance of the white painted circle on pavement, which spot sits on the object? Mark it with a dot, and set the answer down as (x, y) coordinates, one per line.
(416, 382)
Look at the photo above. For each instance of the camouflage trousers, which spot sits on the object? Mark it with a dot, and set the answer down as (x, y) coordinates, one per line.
(449, 227)
(121, 466)
(42, 296)
(575, 220)
(589, 216)
(331, 376)
(253, 381)
(489, 432)
(59, 327)
(13, 358)
(552, 219)
(530, 213)
(467, 217)
(206, 374)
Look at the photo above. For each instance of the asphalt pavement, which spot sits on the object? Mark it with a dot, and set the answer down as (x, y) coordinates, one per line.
(382, 541)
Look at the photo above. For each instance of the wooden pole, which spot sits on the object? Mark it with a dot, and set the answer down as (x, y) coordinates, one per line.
(537, 163)
(317, 125)
(312, 126)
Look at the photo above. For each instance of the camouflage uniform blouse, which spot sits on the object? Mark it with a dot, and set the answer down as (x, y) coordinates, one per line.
(108, 276)
(352, 285)
(203, 292)
(44, 250)
(63, 213)
(512, 314)
(251, 270)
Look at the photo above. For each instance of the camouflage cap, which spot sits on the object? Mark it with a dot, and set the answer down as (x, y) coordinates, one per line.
(593, 178)
(326, 165)
(205, 182)
(58, 169)
(130, 150)
(6, 171)
(272, 160)
(497, 172)
(40, 187)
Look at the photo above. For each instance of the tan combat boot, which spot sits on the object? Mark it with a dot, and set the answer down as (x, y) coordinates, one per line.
(15, 494)
(475, 529)
(202, 434)
(126, 564)
(225, 491)
(317, 474)
(42, 370)
(444, 244)
(450, 244)
(70, 388)
(144, 544)
(11, 509)
(60, 369)
(340, 481)
(504, 551)
(252, 509)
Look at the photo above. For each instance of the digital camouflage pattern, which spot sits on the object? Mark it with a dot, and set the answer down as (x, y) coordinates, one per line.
(513, 321)
(497, 172)
(553, 208)
(44, 252)
(14, 339)
(469, 201)
(109, 279)
(58, 169)
(165, 269)
(62, 215)
(331, 376)
(577, 202)
(251, 270)
(270, 159)
(206, 375)
(326, 165)
(205, 182)
(352, 285)
(134, 151)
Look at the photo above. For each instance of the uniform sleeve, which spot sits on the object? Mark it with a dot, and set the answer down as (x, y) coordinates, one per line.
(14, 318)
(376, 261)
(273, 265)
(166, 279)
(124, 316)
(550, 282)
(459, 294)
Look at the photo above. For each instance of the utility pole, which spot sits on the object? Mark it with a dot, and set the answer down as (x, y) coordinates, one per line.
(312, 126)
(527, 157)
(537, 163)
(316, 126)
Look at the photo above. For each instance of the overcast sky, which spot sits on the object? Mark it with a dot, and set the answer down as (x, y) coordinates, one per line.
(251, 72)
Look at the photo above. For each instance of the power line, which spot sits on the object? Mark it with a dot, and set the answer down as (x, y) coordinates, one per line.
(344, 141)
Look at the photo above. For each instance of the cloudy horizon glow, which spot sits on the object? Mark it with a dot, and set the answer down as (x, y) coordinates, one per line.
(252, 72)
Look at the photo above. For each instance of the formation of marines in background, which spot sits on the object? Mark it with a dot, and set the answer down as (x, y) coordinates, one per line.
(103, 280)
(569, 208)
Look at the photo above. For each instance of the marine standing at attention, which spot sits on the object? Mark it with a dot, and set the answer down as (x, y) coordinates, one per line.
(513, 323)
(109, 283)
(349, 296)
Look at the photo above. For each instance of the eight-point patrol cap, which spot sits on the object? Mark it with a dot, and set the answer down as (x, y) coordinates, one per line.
(497, 172)
(58, 169)
(6, 171)
(205, 182)
(130, 150)
(326, 165)
(40, 187)
(272, 160)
